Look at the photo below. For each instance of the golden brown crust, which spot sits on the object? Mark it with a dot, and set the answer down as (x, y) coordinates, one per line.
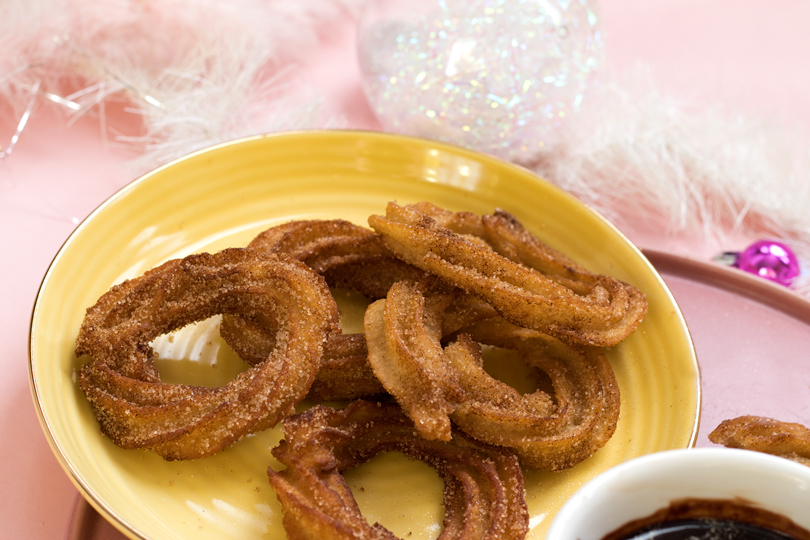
(492, 283)
(547, 431)
(344, 373)
(348, 257)
(525, 281)
(784, 439)
(436, 384)
(403, 334)
(484, 496)
(136, 410)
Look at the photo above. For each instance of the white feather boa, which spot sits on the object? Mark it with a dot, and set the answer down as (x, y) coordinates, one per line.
(198, 72)
(711, 177)
(194, 72)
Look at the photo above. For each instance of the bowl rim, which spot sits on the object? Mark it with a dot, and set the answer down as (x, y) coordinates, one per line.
(730, 459)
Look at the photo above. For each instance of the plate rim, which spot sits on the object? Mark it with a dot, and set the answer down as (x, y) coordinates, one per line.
(733, 280)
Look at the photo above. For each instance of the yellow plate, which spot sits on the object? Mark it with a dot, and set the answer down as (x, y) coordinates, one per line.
(224, 196)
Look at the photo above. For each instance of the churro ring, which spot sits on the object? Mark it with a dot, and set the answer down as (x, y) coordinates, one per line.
(439, 385)
(784, 439)
(349, 257)
(345, 373)
(136, 410)
(484, 496)
(547, 432)
(529, 284)
(403, 334)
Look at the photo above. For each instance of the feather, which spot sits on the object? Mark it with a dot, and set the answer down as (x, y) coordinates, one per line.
(193, 72)
(185, 74)
(645, 159)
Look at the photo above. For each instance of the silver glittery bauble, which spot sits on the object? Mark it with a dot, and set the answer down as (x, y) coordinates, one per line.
(498, 76)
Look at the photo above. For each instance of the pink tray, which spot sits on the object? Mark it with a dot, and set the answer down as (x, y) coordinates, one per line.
(753, 344)
(752, 339)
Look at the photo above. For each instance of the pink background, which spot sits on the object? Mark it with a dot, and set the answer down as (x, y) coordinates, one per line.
(747, 55)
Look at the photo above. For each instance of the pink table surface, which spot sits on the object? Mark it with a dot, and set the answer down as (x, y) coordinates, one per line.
(746, 54)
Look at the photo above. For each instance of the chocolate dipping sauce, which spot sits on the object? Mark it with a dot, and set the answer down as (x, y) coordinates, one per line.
(711, 519)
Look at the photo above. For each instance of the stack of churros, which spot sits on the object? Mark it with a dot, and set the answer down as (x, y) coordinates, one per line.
(442, 285)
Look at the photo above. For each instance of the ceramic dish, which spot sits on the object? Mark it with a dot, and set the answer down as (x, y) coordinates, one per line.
(640, 487)
(222, 197)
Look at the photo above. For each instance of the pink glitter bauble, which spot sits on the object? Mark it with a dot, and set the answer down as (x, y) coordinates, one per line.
(497, 76)
(771, 260)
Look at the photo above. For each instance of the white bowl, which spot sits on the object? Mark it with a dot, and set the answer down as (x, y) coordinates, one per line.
(639, 487)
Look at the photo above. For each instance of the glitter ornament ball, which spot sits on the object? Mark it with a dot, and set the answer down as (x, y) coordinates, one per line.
(497, 76)
(771, 260)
